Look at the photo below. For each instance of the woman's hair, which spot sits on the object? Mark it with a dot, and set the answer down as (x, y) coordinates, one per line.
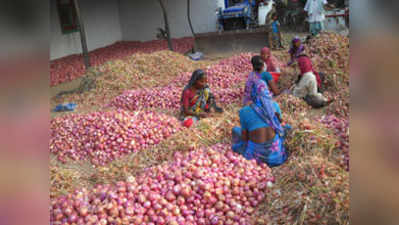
(294, 41)
(257, 63)
(197, 75)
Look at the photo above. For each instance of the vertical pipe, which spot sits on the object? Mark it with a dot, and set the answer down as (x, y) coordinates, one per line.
(82, 35)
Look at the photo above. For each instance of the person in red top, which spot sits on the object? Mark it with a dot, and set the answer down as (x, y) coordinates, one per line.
(308, 83)
(272, 63)
(305, 65)
(197, 100)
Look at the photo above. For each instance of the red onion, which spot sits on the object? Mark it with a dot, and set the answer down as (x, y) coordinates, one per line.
(195, 200)
(81, 144)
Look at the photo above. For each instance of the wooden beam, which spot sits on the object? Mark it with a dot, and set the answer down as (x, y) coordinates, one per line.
(165, 16)
(191, 25)
(82, 35)
(189, 17)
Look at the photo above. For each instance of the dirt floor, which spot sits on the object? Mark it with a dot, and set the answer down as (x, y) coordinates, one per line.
(215, 47)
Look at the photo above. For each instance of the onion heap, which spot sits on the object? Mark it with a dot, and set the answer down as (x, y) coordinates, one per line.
(104, 136)
(226, 74)
(71, 67)
(290, 104)
(340, 127)
(206, 186)
(167, 97)
(223, 76)
(330, 51)
(136, 71)
(163, 98)
(146, 70)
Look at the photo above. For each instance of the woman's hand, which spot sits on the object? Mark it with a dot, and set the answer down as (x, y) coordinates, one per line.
(274, 87)
(249, 103)
(203, 114)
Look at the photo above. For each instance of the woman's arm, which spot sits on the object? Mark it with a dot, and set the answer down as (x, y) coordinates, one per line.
(189, 112)
(273, 87)
(292, 59)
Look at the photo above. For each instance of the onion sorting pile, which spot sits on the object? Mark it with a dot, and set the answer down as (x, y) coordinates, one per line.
(208, 186)
(136, 71)
(146, 70)
(71, 67)
(341, 129)
(225, 74)
(292, 105)
(230, 71)
(104, 136)
(167, 98)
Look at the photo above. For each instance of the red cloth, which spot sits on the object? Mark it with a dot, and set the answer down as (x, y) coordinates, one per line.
(189, 99)
(188, 122)
(275, 76)
(188, 96)
(305, 65)
(271, 61)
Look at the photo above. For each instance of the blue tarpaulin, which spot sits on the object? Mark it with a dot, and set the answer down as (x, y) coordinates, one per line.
(65, 107)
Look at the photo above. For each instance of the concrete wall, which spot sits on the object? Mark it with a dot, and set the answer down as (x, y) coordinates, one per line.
(102, 25)
(140, 18)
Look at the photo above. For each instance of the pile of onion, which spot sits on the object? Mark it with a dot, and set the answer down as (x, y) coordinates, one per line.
(227, 73)
(292, 106)
(71, 67)
(162, 97)
(168, 97)
(340, 127)
(206, 186)
(223, 79)
(104, 136)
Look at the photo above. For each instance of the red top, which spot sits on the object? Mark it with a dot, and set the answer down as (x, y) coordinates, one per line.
(188, 95)
(190, 98)
(305, 65)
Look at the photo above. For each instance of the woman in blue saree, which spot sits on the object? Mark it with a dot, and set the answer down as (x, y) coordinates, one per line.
(261, 135)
